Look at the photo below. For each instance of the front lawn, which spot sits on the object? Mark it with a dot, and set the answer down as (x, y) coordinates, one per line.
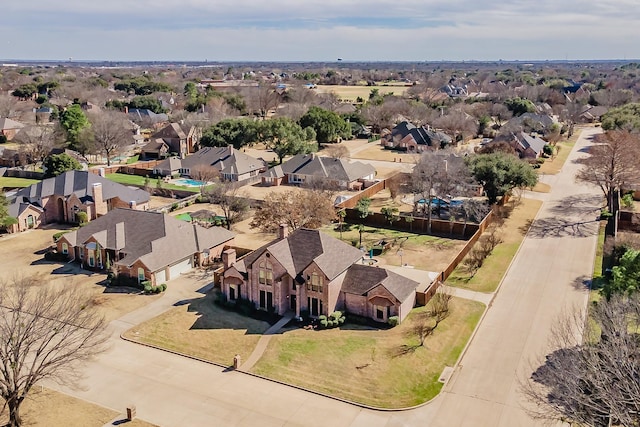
(488, 277)
(8, 182)
(554, 165)
(202, 329)
(363, 365)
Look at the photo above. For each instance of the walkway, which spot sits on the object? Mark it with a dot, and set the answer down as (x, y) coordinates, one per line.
(264, 342)
(545, 278)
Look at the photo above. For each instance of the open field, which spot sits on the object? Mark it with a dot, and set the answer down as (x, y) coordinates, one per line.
(202, 329)
(429, 253)
(488, 277)
(7, 182)
(351, 93)
(23, 253)
(365, 365)
(375, 151)
(48, 408)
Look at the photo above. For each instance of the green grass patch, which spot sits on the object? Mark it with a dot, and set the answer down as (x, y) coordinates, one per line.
(138, 181)
(598, 265)
(133, 159)
(8, 182)
(362, 364)
(203, 330)
(488, 277)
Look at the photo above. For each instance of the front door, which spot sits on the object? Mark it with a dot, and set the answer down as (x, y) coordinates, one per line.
(269, 301)
(315, 306)
(292, 302)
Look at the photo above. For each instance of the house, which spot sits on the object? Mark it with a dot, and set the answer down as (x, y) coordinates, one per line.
(308, 272)
(592, 114)
(232, 164)
(61, 198)
(528, 146)
(405, 136)
(180, 139)
(144, 245)
(455, 91)
(145, 115)
(156, 149)
(307, 168)
(9, 128)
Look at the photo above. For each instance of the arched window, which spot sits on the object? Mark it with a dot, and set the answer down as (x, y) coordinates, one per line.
(140, 274)
(65, 248)
(265, 273)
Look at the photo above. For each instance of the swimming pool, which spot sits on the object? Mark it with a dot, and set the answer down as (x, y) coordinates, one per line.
(188, 181)
(437, 202)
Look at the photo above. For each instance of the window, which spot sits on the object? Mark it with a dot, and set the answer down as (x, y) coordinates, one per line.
(315, 283)
(140, 274)
(65, 248)
(81, 252)
(265, 273)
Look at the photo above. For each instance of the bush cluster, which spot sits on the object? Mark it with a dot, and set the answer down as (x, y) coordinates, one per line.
(149, 289)
(393, 321)
(55, 256)
(334, 320)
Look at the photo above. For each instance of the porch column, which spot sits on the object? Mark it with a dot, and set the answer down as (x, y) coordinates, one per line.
(298, 296)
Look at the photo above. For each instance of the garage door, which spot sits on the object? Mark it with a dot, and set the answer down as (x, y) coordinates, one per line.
(161, 276)
(179, 268)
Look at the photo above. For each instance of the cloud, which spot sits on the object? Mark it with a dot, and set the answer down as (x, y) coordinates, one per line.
(318, 29)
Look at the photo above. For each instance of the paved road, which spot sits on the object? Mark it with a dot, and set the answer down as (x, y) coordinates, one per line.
(546, 276)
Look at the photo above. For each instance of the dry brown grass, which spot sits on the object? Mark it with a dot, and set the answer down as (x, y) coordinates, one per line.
(375, 151)
(363, 365)
(541, 187)
(48, 408)
(488, 277)
(351, 93)
(202, 329)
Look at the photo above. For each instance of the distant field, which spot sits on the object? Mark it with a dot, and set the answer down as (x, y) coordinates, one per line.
(351, 93)
(6, 182)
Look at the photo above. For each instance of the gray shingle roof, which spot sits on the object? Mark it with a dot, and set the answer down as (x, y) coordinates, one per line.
(360, 279)
(529, 141)
(225, 159)
(154, 238)
(327, 167)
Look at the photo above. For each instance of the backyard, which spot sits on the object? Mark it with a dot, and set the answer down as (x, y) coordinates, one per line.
(139, 181)
(352, 93)
(8, 182)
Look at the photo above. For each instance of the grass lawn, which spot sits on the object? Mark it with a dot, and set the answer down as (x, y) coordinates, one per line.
(48, 408)
(125, 179)
(351, 93)
(422, 251)
(362, 364)
(541, 187)
(203, 330)
(553, 166)
(7, 182)
(598, 263)
(495, 265)
(133, 159)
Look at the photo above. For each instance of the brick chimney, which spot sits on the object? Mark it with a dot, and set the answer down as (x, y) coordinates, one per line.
(98, 200)
(283, 231)
(228, 258)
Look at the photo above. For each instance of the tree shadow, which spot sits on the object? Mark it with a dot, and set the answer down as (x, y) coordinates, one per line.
(578, 204)
(558, 227)
(582, 282)
(403, 350)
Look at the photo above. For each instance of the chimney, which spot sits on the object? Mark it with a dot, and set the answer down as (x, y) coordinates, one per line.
(126, 109)
(98, 200)
(132, 204)
(283, 231)
(228, 258)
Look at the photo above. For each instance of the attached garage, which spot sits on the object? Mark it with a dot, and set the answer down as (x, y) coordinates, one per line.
(179, 268)
(161, 276)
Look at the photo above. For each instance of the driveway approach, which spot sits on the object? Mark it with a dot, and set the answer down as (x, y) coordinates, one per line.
(547, 276)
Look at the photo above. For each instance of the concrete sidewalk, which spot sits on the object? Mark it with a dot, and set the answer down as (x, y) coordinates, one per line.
(264, 342)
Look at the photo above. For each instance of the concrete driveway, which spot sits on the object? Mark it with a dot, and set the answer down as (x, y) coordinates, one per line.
(547, 276)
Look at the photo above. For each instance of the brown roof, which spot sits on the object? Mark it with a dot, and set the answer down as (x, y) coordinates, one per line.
(360, 279)
(171, 131)
(154, 238)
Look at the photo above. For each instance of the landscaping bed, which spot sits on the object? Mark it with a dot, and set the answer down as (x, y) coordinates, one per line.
(362, 364)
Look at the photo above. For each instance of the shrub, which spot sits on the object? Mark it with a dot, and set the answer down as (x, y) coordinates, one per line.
(627, 201)
(324, 323)
(173, 207)
(156, 289)
(342, 320)
(82, 218)
(55, 256)
(322, 317)
(59, 234)
(147, 289)
(163, 287)
(393, 321)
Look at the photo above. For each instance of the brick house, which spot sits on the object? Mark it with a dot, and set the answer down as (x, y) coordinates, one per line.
(180, 139)
(9, 128)
(407, 137)
(144, 245)
(61, 198)
(308, 272)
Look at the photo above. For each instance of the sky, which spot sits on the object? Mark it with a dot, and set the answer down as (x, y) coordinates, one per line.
(319, 30)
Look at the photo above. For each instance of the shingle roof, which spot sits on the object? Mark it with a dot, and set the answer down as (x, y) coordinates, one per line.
(327, 167)
(171, 131)
(154, 146)
(79, 183)
(154, 238)
(6, 123)
(225, 159)
(533, 142)
(420, 135)
(360, 279)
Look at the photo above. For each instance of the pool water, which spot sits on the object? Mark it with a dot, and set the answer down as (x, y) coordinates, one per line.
(189, 182)
(437, 202)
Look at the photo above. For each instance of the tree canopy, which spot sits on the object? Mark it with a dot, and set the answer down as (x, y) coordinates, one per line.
(57, 164)
(518, 106)
(329, 126)
(74, 121)
(626, 117)
(500, 173)
(5, 219)
(285, 137)
(236, 132)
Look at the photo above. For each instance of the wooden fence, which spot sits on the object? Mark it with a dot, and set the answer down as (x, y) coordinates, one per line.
(351, 202)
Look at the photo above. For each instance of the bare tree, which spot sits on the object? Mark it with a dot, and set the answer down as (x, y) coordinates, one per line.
(593, 378)
(111, 133)
(37, 141)
(301, 208)
(612, 164)
(227, 195)
(204, 174)
(7, 105)
(337, 151)
(44, 334)
(260, 100)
